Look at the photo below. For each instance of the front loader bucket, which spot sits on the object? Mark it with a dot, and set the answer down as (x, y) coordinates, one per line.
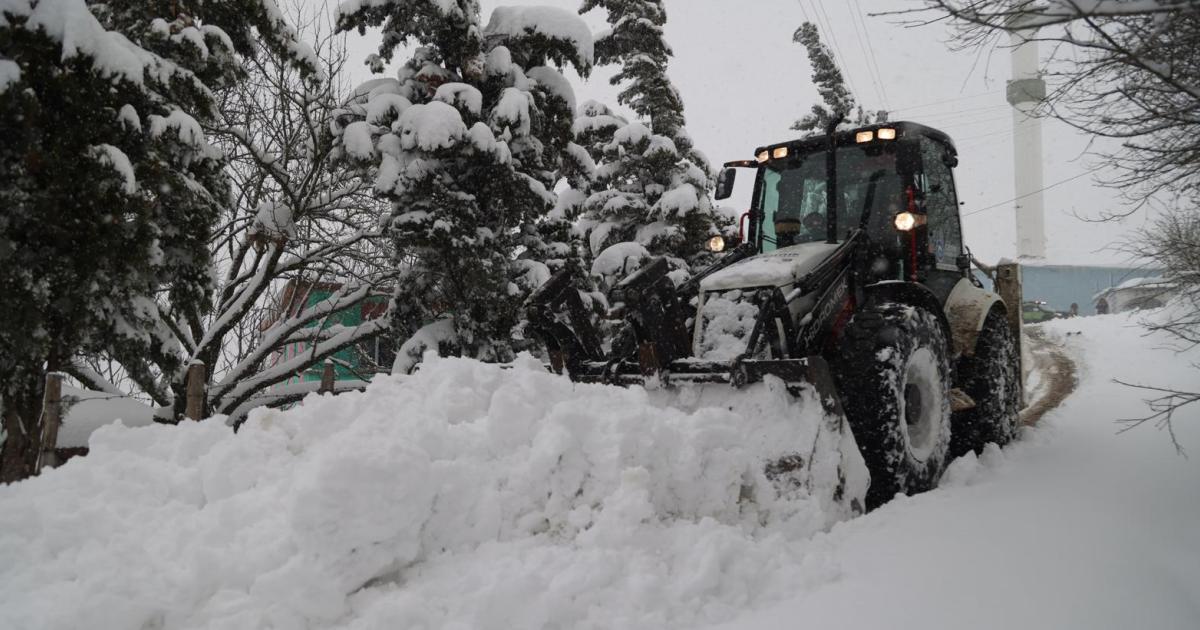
(789, 415)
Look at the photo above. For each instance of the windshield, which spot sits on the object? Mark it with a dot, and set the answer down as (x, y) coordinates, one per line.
(792, 201)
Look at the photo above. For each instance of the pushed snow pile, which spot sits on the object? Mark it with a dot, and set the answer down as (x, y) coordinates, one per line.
(465, 495)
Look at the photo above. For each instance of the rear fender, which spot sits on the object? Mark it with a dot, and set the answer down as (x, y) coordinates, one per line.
(912, 294)
(966, 309)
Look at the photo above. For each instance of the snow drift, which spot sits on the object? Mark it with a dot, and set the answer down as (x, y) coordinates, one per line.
(466, 495)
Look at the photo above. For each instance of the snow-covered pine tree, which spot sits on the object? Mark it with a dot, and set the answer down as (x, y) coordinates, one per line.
(839, 104)
(652, 184)
(593, 129)
(109, 189)
(467, 142)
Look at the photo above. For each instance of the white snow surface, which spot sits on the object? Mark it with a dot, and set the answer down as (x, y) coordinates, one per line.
(275, 219)
(115, 158)
(430, 126)
(460, 93)
(1074, 526)
(620, 259)
(777, 268)
(470, 496)
(726, 321)
(384, 107)
(555, 83)
(356, 138)
(10, 73)
(89, 410)
(70, 23)
(463, 496)
(552, 22)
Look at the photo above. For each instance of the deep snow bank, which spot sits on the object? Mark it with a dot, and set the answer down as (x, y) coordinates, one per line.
(463, 496)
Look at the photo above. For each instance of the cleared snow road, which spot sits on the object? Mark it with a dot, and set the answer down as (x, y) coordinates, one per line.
(1073, 527)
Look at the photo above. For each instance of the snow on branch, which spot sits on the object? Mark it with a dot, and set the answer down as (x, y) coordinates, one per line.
(289, 394)
(244, 389)
(238, 378)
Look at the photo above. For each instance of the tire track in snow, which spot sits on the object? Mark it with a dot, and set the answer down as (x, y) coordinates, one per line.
(1058, 375)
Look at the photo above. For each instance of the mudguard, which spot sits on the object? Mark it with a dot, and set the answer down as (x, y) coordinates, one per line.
(966, 309)
(913, 294)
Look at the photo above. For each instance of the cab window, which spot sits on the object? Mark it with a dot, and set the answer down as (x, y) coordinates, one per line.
(941, 203)
(793, 195)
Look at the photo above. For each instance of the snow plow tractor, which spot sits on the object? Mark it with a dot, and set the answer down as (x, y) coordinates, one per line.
(850, 284)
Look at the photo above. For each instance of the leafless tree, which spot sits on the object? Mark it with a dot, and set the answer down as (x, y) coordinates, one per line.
(1121, 70)
(1128, 72)
(1172, 241)
(300, 244)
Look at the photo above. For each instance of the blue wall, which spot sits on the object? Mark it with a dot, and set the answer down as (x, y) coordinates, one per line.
(1060, 285)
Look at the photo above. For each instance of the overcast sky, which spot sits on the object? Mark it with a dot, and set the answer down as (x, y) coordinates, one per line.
(744, 82)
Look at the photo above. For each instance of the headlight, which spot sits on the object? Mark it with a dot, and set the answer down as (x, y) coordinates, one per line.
(716, 244)
(906, 221)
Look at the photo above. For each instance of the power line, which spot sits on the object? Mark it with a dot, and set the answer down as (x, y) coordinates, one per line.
(1030, 194)
(819, 11)
(983, 135)
(965, 114)
(870, 73)
(948, 100)
(958, 126)
(873, 64)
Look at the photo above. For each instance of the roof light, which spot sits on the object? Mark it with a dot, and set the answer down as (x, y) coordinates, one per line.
(864, 136)
(762, 156)
(887, 133)
(779, 152)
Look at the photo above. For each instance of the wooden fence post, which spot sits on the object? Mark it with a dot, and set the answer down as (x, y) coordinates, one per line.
(327, 378)
(51, 420)
(1008, 285)
(195, 391)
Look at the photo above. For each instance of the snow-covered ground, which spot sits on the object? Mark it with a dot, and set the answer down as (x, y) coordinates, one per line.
(1073, 527)
(472, 497)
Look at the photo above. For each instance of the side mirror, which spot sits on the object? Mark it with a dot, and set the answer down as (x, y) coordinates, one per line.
(725, 183)
(950, 160)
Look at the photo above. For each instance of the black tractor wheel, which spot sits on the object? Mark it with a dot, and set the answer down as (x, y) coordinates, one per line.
(894, 380)
(991, 377)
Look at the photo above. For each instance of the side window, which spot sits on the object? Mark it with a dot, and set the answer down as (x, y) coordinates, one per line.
(770, 201)
(941, 203)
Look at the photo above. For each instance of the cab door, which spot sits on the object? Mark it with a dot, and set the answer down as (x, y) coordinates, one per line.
(935, 181)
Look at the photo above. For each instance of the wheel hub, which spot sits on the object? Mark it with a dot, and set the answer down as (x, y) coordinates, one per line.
(922, 399)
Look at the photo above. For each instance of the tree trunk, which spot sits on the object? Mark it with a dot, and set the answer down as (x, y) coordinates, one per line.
(22, 430)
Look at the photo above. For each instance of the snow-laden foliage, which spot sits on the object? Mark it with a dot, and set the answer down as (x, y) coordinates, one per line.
(467, 142)
(651, 185)
(208, 37)
(109, 184)
(838, 103)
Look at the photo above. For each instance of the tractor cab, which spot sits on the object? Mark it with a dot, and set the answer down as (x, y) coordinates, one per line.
(889, 185)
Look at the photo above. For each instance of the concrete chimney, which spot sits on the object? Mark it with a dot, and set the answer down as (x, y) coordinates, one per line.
(1025, 91)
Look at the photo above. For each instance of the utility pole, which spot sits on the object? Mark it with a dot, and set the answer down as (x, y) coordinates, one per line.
(1026, 90)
